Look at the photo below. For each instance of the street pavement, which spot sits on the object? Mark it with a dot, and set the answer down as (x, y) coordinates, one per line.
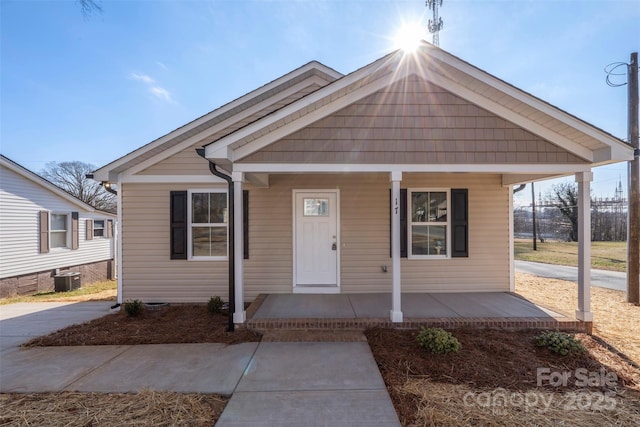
(601, 278)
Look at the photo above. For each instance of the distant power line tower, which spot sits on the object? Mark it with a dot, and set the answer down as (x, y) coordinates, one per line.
(435, 24)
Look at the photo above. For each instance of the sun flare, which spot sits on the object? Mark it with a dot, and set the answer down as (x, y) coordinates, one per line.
(409, 36)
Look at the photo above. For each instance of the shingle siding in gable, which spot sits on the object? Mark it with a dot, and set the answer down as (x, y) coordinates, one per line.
(423, 125)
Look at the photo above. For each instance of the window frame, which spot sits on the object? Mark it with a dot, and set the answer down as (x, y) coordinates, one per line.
(104, 228)
(191, 224)
(411, 223)
(67, 231)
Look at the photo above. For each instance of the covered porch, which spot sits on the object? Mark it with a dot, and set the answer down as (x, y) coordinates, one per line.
(363, 310)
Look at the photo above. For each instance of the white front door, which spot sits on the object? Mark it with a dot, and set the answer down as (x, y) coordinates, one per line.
(316, 241)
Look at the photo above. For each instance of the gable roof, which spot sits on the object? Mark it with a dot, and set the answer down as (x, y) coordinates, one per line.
(434, 65)
(248, 107)
(48, 185)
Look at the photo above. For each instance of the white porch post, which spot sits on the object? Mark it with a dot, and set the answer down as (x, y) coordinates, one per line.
(239, 316)
(584, 246)
(396, 306)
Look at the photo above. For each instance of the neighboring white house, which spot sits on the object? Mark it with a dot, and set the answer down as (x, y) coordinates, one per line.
(44, 231)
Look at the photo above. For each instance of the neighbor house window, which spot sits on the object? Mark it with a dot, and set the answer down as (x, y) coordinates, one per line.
(98, 228)
(59, 231)
(429, 223)
(208, 226)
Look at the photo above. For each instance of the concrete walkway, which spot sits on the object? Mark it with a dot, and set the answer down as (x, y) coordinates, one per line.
(601, 278)
(272, 383)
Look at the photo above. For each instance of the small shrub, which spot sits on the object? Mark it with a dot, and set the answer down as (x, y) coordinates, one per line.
(215, 304)
(559, 342)
(133, 308)
(438, 340)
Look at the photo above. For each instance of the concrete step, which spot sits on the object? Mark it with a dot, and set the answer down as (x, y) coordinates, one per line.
(304, 335)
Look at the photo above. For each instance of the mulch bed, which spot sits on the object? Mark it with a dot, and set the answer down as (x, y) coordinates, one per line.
(489, 360)
(167, 325)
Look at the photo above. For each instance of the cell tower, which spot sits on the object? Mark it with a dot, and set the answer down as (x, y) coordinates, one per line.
(435, 24)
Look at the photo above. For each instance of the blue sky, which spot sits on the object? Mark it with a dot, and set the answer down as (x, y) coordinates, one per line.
(94, 89)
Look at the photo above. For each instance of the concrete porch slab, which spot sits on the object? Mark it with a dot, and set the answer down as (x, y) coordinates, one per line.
(305, 306)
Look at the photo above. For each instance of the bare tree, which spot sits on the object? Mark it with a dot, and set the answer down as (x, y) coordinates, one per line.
(89, 7)
(72, 177)
(565, 198)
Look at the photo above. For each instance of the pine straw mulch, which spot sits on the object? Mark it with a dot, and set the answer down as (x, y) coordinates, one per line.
(167, 325)
(615, 321)
(147, 408)
(470, 387)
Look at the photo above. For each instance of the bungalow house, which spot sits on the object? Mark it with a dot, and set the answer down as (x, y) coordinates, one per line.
(45, 231)
(394, 178)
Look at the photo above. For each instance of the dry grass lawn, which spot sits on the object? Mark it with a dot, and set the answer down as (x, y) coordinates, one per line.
(604, 255)
(99, 291)
(615, 321)
(147, 408)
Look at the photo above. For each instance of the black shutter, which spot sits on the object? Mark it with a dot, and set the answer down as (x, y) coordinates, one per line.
(460, 222)
(245, 223)
(178, 225)
(75, 231)
(403, 222)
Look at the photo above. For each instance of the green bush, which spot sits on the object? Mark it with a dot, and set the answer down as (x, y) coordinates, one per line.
(133, 308)
(559, 342)
(215, 304)
(438, 340)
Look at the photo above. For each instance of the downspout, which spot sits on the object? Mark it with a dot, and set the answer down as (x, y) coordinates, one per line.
(107, 186)
(232, 262)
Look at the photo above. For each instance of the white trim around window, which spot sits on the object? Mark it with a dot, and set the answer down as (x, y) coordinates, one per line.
(210, 222)
(431, 220)
(59, 238)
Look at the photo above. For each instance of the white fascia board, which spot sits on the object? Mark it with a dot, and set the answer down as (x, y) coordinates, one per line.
(507, 114)
(103, 172)
(302, 103)
(49, 186)
(556, 169)
(526, 98)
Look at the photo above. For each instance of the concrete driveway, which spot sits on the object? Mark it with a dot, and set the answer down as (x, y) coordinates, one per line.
(601, 278)
(22, 321)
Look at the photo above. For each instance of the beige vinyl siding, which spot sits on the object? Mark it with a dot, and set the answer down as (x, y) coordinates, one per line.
(365, 234)
(21, 201)
(187, 162)
(487, 267)
(148, 273)
(413, 122)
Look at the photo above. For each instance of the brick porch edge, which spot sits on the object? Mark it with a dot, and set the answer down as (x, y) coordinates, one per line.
(514, 323)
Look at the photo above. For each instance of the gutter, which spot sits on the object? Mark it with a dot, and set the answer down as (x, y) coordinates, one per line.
(232, 262)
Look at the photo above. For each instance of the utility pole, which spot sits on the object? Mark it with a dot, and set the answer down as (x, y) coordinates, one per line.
(435, 24)
(633, 212)
(533, 208)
